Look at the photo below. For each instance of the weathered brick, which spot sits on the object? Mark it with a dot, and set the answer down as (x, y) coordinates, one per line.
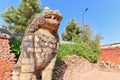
(25, 60)
(6, 65)
(30, 49)
(25, 76)
(38, 49)
(27, 68)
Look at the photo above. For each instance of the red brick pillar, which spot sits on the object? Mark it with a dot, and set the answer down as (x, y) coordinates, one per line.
(6, 58)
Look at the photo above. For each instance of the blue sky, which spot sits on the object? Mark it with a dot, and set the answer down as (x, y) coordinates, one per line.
(102, 15)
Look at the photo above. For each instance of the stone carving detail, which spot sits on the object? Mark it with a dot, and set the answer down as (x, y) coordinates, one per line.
(39, 47)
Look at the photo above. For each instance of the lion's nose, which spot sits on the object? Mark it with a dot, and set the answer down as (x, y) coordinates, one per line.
(52, 17)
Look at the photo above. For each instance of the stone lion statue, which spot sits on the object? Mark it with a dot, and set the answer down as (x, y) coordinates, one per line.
(39, 47)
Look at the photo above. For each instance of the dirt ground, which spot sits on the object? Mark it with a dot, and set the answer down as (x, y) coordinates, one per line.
(77, 68)
(94, 75)
(103, 75)
(80, 69)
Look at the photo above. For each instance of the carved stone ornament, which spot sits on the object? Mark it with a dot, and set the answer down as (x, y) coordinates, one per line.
(39, 47)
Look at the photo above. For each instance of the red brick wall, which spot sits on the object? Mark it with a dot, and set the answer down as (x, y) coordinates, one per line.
(6, 59)
(110, 55)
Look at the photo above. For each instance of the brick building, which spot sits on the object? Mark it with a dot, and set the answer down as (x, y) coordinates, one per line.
(110, 53)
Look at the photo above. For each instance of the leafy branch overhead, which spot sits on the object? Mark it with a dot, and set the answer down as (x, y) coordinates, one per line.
(18, 19)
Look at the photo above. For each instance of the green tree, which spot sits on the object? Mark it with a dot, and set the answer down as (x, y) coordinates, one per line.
(18, 19)
(72, 31)
(86, 44)
(86, 34)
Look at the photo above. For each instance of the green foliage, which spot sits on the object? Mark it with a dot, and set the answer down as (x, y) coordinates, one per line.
(18, 19)
(87, 44)
(15, 46)
(86, 34)
(72, 31)
(84, 50)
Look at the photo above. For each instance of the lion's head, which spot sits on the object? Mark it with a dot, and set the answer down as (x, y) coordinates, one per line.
(48, 19)
(52, 19)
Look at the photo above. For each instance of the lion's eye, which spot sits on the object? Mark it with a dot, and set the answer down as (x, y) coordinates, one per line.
(54, 18)
(48, 16)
